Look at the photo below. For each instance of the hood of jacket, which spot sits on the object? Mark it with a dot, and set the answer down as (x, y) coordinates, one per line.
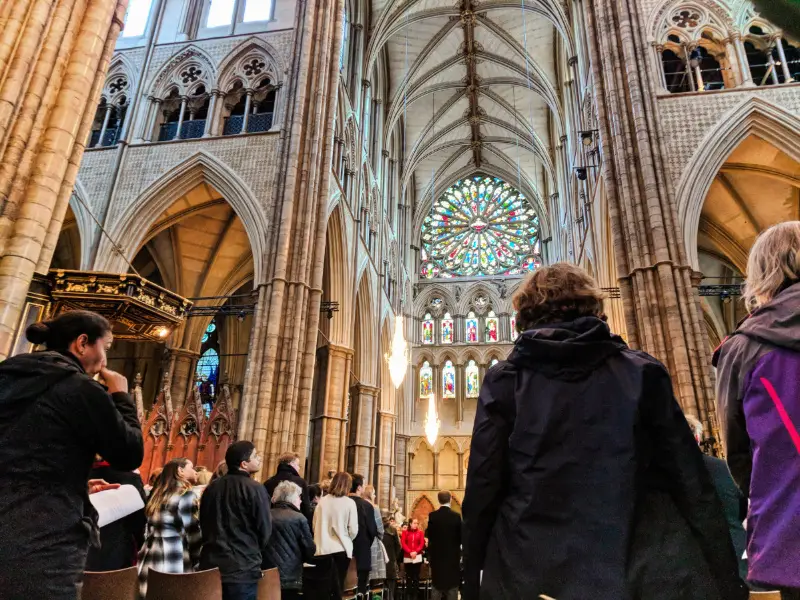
(287, 469)
(25, 377)
(568, 351)
(778, 321)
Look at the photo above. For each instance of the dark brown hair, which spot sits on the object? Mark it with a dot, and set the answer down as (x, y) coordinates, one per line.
(167, 485)
(340, 484)
(57, 334)
(559, 293)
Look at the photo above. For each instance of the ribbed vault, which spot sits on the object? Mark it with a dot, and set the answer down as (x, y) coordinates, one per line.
(472, 85)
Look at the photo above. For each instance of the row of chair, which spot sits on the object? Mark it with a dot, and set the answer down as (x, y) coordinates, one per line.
(203, 585)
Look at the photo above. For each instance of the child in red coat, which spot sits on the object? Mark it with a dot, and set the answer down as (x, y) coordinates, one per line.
(413, 542)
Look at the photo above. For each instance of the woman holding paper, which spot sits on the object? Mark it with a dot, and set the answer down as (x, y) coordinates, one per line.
(54, 419)
(173, 541)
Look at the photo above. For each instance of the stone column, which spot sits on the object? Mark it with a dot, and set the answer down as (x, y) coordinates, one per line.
(662, 314)
(787, 74)
(401, 469)
(461, 392)
(183, 367)
(462, 484)
(248, 106)
(106, 117)
(329, 419)
(733, 61)
(212, 120)
(744, 64)
(54, 56)
(362, 422)
(181, 116)
(435, 469)
(279, 386)
(384, 463)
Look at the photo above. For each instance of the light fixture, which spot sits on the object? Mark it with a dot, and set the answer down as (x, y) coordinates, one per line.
(432, 422)
(163, 332)
(398, 359)
(587, 138)
(582, 173)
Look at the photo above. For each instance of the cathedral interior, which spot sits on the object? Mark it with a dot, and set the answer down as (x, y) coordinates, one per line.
(273, 198)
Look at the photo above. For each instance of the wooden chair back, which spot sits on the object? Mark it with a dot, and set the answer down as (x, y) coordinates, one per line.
(269, 588)
(765, 596)
(203, 585)
(111, 585)
(351, 579)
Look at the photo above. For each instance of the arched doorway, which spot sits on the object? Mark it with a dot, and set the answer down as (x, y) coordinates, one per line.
(756, 187)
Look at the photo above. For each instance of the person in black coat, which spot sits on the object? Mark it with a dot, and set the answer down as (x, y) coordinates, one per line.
(236, 524)
(291, 543)
(394, 552)
(119, 541)
(289, 470)
(54, 419)
(367, 532)
(584, 480)
(444, 549)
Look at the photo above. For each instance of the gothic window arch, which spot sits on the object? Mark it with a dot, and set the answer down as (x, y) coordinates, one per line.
(513, 323)
(425, 380)
(479, 226)
(207, 370)
(448, 380)
(428, 329)
(471, 328)
(472, 378)
(446, 328)
(181, 97)
(492, 328)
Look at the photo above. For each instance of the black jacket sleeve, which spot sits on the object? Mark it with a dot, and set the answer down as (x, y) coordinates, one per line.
(110, 423)
(677, 455)
(485, 476)
(262, 516)
(305, 503)
(307, 546)
(730, 408)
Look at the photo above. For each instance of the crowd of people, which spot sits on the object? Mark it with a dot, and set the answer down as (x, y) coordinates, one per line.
(585, 479)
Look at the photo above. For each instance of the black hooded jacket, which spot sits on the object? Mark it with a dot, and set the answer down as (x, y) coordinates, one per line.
(290, 545)
(54, 419)
(287, 473)
(584, 479)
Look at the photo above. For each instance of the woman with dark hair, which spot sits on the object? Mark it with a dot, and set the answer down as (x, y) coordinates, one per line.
(173, 541)
(584, 480)
(54, 419)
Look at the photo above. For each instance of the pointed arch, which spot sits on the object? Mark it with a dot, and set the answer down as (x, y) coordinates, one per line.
(231, 67)
(364, 363)
(78, 202)
(338, 278)
(754, 116)
(132, 226)
(169, 75)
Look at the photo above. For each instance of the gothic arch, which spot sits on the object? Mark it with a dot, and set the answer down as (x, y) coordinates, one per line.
(754, 116)
(175, 72)
(339, 277)
(364, 344)
(231, 68)
(120, 68)
(710, 13)
(133, 224)
(479, 288)
(83, 218)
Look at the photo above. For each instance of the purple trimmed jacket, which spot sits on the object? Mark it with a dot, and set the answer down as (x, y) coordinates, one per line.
(758, 401)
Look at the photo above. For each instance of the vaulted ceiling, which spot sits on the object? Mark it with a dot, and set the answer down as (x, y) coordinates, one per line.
(758, 186)
(475, 84)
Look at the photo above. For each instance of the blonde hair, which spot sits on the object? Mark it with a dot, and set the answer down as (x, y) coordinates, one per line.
(369, 493)
(774, 264)
(168, 484)
(204, 476)
(562, 292)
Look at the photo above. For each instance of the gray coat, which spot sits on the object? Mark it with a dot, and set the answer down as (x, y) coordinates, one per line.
(290, 545)
(378, 570)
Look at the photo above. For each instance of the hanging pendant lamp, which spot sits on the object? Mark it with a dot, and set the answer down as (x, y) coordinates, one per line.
(398, 359)
(432, 422)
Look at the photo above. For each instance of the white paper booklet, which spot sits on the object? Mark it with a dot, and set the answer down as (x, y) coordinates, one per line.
(113, 505)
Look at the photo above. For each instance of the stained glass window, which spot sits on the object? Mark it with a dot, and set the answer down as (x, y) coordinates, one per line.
(514, 332)
(473, 384)
(472, 328)
(425, 380)
(447, 329)
(480, 226)
(212, 327)
(492, 327)
(448, 380)
(208, 372)
(427, 329)
(345, 38)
